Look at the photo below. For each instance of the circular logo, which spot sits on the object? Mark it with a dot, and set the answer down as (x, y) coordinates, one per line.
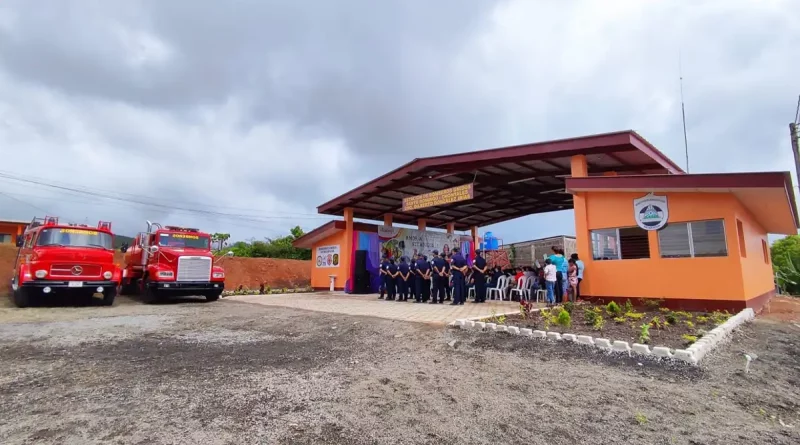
(319, 261)
(77, 270)
(651, 216)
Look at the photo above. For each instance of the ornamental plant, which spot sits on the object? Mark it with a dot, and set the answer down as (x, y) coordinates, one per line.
(564, 319)
(613, 309)
(644, 333)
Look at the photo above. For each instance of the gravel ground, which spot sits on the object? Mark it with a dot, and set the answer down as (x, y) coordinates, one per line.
(231, 372)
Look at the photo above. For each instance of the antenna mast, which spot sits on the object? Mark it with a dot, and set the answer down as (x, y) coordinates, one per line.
(683, 114)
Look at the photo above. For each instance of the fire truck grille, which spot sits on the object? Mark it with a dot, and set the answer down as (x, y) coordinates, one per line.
(194, 268)
(75, 270)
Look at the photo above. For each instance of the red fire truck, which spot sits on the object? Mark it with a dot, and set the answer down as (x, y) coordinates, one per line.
(65, 259)
(171, 261)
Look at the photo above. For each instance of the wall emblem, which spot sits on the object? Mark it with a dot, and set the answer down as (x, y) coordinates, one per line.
(651, 212)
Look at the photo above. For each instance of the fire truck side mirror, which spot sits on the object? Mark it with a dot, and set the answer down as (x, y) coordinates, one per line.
(123, 248)
(20, 240)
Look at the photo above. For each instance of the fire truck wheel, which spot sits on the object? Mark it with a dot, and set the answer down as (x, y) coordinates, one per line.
(108, 297)
(213, 296)
(22, 297)
(149, 295)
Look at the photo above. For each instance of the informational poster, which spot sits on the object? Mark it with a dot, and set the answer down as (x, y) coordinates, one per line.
(397, 242)
(328, 256)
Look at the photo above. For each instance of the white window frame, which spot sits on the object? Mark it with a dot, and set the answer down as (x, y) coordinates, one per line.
(691, 241)
(619, 244)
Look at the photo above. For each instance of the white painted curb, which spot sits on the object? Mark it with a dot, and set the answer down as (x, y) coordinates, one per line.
(692, 355)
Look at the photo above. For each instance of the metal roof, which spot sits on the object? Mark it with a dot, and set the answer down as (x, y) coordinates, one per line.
(510, 182)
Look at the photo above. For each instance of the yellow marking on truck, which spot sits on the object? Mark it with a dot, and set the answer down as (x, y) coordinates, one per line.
(178, 235)
(79, 232)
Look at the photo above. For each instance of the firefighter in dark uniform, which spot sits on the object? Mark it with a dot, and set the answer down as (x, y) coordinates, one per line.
(412, 283)
(384, 274)
(424, 282)
(403, 279)
(439, 278)
(479, 268)
(458, 268)
(447, 287)
(391, 280)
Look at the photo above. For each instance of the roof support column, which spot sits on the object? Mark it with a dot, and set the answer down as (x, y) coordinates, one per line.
(421, 223)
(579, 169)
(347, 252)
(474, 231)
(451, 227)
(387, 220)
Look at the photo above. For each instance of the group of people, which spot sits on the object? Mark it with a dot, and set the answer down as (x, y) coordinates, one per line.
(442, 278)
(447, 276)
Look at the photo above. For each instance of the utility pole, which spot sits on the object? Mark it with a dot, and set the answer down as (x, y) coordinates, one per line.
(793, 134)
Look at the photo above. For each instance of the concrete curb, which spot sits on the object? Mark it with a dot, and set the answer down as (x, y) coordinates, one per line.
(691, 355)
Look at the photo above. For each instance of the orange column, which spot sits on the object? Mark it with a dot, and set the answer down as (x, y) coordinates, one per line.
(451, 227)
(347, 260)
(474, 231)
(421, 224)
(19, 230)
(583, 238)
(387, 220)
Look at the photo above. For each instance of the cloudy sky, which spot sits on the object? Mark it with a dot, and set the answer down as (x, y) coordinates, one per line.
(243, 116)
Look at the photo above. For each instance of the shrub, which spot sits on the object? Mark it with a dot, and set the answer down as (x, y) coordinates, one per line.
(620, 320)
(564, 319)
(701, 319)
(683, 314)
(628, 306)
(644, 334)
(634, 315)
(613, 309)
(689, 339)
(598, 324)
(656, 323)
(671, 318)
(690, 325)
(569, 307)
(664, 309)
(590, 316)
(652, 303)
(526, 309)
(720, 317)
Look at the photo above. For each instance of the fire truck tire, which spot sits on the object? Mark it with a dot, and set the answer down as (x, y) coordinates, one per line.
(22, 297)
(149, 295)
(213, 296)
(131, 288)
(108, 297)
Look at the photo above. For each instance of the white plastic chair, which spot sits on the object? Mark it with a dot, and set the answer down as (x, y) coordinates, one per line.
(500, 288)
(522, 288)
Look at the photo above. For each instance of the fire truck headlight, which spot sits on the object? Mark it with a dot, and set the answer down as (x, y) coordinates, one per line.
(41, 273)
(219, 275)
(107, 275)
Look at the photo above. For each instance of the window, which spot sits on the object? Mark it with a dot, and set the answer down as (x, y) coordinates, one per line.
(627, 243)
(74, 237)
(765, 248)
(740, 232)
(693, 240)
(5, 238)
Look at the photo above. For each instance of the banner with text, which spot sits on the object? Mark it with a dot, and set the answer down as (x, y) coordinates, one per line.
(439, 198)
(397, 242)
(328, 256)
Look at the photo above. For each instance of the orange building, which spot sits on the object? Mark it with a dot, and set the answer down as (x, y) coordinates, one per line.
(644, 228)
(9, 229)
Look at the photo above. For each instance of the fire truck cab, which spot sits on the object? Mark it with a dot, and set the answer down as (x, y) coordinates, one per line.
(64, 260)
(171, 261)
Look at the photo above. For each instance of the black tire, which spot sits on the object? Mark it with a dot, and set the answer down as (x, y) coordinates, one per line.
(213, 296)
(132, 288)
(149, 295)
(108, 297)
(22, 298)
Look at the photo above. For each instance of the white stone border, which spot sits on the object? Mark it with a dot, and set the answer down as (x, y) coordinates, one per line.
(692, 355)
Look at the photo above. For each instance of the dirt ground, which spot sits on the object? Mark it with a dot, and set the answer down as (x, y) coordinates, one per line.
(249, 272)
(231, 372)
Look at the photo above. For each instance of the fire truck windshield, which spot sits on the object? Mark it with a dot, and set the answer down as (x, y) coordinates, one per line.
(74, 237)
(189, 240)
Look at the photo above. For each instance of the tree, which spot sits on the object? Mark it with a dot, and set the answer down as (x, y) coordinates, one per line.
(220, 239)
(786, 263)
(280, 247)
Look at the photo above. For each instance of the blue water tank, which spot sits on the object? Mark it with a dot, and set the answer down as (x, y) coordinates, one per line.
(490, 241)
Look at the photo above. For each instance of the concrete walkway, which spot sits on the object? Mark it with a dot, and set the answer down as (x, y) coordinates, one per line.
(369, 305)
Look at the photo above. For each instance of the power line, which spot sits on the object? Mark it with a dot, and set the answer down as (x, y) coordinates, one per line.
(254, 218)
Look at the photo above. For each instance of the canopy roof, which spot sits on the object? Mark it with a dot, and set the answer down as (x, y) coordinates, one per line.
(510, 182)
(768, 196)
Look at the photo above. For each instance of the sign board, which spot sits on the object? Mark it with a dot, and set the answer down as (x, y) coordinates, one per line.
(328, 256)
(651, 212)
(439, 198)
